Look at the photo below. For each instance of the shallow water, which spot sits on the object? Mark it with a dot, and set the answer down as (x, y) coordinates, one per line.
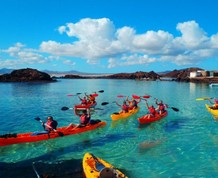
(184, 144)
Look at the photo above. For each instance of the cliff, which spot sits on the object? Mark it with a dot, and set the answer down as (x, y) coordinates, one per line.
(26, 75)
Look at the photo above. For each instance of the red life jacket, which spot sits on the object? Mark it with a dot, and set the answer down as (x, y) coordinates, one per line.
(84, 101)
(84, 119)
(152, 110)
(125, 108)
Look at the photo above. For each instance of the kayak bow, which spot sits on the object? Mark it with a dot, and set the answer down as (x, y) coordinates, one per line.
(214, 112)
(94, 167)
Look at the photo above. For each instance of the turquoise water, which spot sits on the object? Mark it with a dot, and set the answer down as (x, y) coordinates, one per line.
(184, 144)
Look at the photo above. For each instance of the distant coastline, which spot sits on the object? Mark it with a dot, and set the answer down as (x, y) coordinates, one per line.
(196, 75)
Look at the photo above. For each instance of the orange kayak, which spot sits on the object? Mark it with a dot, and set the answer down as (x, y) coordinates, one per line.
(146, 120)
(121, 115)
(9, 139)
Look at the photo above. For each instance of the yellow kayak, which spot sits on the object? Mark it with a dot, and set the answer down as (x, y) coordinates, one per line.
(120, 115)
(94, 167)
(214, 112)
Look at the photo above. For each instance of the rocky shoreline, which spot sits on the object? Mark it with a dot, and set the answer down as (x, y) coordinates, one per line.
(33, 75)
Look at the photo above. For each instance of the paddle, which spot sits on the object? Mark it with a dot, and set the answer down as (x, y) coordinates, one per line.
(37, 174)
(120, 96)
(104, 103)
(204, 98)
(175, 109)
(101, 91)
(73, 94)
(59, 133)
(95, 94)
(138, 97)
(64, 108)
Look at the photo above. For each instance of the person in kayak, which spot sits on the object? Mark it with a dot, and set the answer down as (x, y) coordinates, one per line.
(151, 110)
(85, 119)
(91, 98)
(215, 104)
(133, 104)
(83, 100)
(125, 107)
(160, 106)
(50, 124)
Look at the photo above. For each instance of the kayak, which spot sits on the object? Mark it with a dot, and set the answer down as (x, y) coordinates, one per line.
(146, 120)
(120, 115)
(84, 107)
(214, 112)
(94, 167)
(9, 139)
(78, 109)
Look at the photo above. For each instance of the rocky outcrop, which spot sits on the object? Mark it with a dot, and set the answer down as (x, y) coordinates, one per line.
(26, 75)
(181, 75)
(137, 75)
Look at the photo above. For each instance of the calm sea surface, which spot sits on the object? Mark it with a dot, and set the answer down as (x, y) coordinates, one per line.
(184, 144)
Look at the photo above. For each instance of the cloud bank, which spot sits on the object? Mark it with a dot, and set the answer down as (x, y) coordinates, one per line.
(93, 40)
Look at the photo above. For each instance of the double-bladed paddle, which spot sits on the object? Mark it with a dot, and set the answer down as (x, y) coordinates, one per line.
(203, 98)
(95, 94)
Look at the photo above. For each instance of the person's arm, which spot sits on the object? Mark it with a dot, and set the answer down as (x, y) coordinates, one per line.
(43, 125)
(118, 104)
(88, 113)
(156, 102)
(146, 103)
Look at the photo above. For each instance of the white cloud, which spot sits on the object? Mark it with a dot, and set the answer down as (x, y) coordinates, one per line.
(97, 39)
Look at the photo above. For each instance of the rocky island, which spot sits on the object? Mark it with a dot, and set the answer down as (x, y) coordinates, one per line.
(26, 75)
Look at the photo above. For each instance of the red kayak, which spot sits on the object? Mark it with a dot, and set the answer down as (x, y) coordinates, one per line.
(85, 106)
(9, 139)
(78, 109)
(146, 120)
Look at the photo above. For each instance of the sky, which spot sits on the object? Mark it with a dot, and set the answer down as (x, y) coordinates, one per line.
(109, 36)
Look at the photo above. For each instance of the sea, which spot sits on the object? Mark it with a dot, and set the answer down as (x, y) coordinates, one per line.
(183, 144)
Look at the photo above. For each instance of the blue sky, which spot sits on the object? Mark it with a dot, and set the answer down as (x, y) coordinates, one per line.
(102, 36)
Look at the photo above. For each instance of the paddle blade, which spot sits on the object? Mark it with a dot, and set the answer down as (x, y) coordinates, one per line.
(101, 91)
(70, 95)
(120, 96)
(104, 103)
(136, 97)
(146, 96)
(95, 94)
(37, 119)
(64, 108)
(116, 113)
(204, 98)
(175, 109)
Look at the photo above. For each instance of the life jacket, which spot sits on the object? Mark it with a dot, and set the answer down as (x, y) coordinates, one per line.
(92, 98)
(152, 110)
(161, 107)
(83, 101)
(215, 105)
(125, 108)
(84, 119)
(50, 125)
